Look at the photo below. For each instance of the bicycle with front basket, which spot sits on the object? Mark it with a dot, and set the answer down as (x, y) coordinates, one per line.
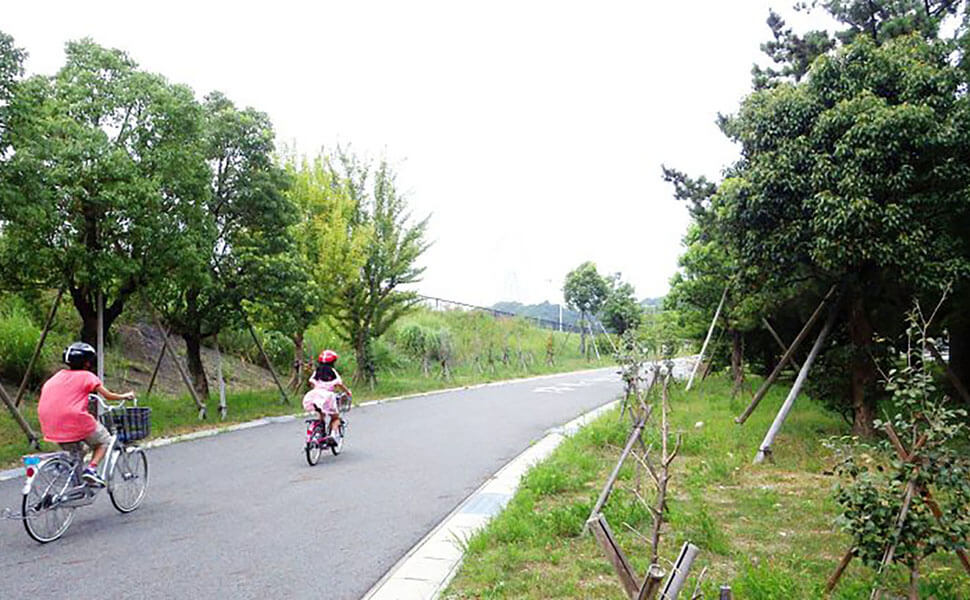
(54, 488)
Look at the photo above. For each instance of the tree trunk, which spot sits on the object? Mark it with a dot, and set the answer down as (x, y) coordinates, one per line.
(582, 333)
(297, 375)
(737, 361)
(863, 372)
(193, 355)
(959, 327)
(366, 372)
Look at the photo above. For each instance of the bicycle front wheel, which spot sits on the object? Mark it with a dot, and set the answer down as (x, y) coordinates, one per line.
(44, 519)
(128, 481)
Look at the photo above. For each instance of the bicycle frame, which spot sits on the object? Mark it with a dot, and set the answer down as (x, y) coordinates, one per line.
(78, 494)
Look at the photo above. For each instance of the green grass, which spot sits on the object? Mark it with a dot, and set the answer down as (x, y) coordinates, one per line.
(475, 337)
(765, 530)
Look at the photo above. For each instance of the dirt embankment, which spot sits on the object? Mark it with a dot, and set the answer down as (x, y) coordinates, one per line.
(135, 350)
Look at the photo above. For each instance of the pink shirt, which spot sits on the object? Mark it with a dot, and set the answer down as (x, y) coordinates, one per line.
(63, 406)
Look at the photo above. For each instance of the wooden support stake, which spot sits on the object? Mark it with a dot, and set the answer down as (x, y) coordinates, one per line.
(605, 493)
(651, 583)
(185, 378)
(607, 542)
(31, 436)
(158, 363)
(678, 574)
(925, 493)
(781, 344)
(40, 344)
(760, 394)
(100, 340)
(834, 579)
(765, 447)
(700, 359)
(223, 409)
(725, 593)
(961, 389)
(269, 365)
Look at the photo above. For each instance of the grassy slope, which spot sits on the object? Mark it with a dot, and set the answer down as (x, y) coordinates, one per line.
(472, 334)
(765, 530)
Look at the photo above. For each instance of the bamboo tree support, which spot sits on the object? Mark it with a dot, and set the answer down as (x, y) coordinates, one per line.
(40, 344)
(961, 389)
(725, 593)
(651, 583)
(223, 409)
(158, 363)
(604, 535)
(269, 365)
(834, 579)
(592, 339)
(32, 438)
(605, 493)
(707, 340)
(608, 338)
(760, 394)
(765, 448)
(781, 344)
(678, 574)
(185, 378)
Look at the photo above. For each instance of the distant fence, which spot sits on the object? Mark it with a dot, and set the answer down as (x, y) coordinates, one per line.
(441, 304)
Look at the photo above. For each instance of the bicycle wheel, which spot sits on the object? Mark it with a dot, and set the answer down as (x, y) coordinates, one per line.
(44, 519)
(128, 480)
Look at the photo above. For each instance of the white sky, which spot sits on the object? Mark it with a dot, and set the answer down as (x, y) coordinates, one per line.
(533, 132)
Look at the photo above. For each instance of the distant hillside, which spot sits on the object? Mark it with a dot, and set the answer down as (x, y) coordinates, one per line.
(652, 304)
(545, 310)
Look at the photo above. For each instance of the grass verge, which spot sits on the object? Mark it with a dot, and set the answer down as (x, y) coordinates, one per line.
(765, 530)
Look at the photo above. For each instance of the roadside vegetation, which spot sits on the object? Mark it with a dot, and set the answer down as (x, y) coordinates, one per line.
(424, 351)
(769, 531)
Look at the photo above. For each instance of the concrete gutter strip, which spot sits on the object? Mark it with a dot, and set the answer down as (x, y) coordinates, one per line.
(427, 568)
(204, 433)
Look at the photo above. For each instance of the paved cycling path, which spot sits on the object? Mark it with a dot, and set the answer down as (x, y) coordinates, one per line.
(242, 515)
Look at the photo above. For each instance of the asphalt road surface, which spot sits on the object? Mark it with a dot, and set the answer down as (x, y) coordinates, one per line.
(242, 515)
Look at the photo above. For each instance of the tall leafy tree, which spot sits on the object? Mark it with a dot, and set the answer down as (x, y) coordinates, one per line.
(241, 257)
(585, 290)
(363, 305)
(11, 70)
(620, 310)
(330, 237)
(106, 168)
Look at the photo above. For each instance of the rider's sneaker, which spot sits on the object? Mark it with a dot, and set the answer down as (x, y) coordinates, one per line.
(90, 476)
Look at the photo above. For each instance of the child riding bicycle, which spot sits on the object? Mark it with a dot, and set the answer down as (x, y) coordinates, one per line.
(322, 399)
(63, 408)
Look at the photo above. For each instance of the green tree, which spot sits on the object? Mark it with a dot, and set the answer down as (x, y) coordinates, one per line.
(364, 304)
(107, 167)
(852, 176)
(330, 238)
(11, 70)
(586, 291)
(241, 255)
(620, 310)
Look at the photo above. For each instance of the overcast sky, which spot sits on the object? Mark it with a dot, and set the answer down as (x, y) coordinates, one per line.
(532, 132)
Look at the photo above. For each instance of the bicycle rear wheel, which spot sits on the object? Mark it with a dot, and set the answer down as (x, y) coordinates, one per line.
(128, 480)
(44, 519)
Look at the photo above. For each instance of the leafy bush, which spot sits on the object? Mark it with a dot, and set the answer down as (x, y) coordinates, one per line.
(18, 336)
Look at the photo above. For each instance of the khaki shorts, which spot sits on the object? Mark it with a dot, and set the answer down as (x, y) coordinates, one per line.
(98, 437)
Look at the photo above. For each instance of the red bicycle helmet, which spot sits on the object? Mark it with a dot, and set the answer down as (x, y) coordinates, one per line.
(327, 356)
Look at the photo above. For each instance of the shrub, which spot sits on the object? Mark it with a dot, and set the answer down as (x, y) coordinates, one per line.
(18, 336)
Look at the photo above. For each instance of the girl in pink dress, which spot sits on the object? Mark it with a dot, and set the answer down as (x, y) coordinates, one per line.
(326, 383)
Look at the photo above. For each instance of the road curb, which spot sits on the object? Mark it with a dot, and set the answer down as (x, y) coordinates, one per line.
(16, 472)
(428, 567)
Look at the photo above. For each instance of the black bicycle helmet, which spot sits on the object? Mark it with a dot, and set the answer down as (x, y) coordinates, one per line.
(78, 355)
